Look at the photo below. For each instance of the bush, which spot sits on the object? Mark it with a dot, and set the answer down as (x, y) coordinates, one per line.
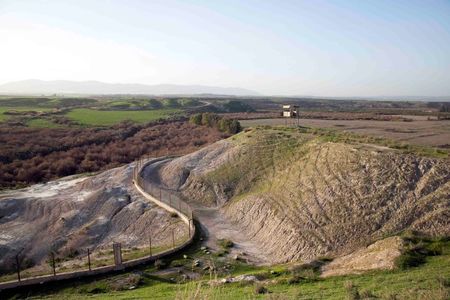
(352, 291)
(295, 279)
(172, 103)
(160, 264)
(126, 283)
(225, 243)
(260, 289)
(213, 120)
(417, 249)
(409, 259)
(196, 119)
(237, 106)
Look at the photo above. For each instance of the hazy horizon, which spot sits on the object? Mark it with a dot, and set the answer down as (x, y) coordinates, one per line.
(293, 48)
(88, 87)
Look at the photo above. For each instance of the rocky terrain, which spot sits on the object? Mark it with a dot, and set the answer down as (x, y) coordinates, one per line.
(295, 196)
(73, 213)
(379, 255)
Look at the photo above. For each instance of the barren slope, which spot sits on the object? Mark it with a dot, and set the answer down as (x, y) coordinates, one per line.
(79, 212)
(296, 196)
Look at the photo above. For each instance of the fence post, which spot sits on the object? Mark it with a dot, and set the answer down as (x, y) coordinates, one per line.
(53, 263)
(18, 267)
(89, 259)
(117, 249)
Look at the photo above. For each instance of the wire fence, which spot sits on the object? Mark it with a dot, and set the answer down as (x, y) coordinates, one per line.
(111, 257)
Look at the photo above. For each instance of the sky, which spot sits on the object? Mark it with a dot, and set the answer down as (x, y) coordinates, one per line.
(307, 48)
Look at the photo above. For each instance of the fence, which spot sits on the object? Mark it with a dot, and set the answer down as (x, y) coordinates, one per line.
(102, 261)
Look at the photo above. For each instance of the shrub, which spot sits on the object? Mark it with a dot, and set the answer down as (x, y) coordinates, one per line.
(173, 103)
(160, 264)
(260, 289)
(126, 283)
(417, 249)
(225, 243)
(237, 106)
(295, 279)
(230, 126)
(31, 155)
(196, 119)
(352, 291)
(409, 259)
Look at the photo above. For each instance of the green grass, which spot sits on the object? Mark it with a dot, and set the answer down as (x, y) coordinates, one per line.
(93, 117)
(428, 281)
(4, 116)
(42, 123)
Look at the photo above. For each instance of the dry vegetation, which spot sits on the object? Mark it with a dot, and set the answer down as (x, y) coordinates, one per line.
(418, 130)
(31, 155)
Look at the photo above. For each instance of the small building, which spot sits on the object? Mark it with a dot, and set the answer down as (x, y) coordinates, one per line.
(291, 111)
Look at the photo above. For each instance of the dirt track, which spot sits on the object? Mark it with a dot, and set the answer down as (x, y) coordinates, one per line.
(214, 225)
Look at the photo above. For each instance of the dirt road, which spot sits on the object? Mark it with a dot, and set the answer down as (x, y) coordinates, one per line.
(214, 225)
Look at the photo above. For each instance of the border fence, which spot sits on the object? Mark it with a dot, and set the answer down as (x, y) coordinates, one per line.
(101, 260)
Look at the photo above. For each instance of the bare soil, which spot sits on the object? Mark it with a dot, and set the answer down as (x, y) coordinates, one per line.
(419, 131)
(380, 255)
(71, 214)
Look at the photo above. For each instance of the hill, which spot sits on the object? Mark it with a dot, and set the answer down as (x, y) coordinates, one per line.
(299, 196)
(34, 86)
(69, 215)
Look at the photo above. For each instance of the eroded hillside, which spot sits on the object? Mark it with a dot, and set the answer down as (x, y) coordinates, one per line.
(69, 215)
(298, 196)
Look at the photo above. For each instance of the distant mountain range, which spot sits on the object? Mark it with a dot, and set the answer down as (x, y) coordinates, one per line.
(34, 86)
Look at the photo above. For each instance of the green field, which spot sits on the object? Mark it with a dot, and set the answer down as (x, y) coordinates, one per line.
(93, 117)
(93, 111)
(3, 116)
(42, 123)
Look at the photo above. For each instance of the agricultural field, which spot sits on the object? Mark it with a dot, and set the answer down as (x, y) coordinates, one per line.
(91, 117)
(53, 112)
(418, 131)
(42, 123)
(8, 112)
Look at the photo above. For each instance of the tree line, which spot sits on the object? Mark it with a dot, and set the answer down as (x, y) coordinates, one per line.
(230, 126)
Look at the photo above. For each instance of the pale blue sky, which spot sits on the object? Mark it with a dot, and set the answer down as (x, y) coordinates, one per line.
(327, 48)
